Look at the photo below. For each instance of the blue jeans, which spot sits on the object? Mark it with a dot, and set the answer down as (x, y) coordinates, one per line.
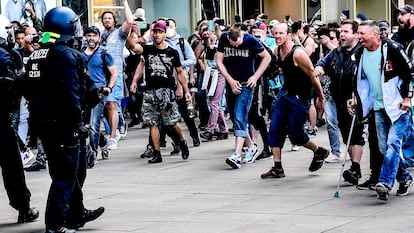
(289, 114)
(408, 149)
(332, 127)
(95, 123)
(241, 111)
(390, 137)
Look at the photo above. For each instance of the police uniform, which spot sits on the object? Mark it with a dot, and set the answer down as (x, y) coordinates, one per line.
(10, 161)
(54, 86)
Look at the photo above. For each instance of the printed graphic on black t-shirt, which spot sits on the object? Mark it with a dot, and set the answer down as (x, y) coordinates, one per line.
(159, 66)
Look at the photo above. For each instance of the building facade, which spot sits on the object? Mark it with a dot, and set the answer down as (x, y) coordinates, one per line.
(188, 12)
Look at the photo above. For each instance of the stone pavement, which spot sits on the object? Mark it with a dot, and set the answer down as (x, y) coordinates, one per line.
(204, 195)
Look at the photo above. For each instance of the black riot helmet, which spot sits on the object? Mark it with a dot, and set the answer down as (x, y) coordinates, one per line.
(60, 24)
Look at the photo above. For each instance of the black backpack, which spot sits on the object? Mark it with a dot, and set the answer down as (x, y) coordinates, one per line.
(272, 69)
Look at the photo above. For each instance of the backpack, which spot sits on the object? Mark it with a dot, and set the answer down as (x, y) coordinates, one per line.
(92, 95)
(272, 69)
(105, 66)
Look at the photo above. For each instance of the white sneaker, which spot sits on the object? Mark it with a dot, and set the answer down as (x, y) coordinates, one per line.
(118, 135)
(112, 144)
(27, 158)
(123, 131)
(251, 155)
(332, 159)
(234, 161)
(295, 148)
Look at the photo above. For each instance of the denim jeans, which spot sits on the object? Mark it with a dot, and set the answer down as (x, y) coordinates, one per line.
(408, 149)
(241, 111)
(332, 127)
(95, 123)
(390, 137)
(289, 114)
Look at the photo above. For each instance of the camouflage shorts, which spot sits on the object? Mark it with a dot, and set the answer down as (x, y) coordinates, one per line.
(159, 106)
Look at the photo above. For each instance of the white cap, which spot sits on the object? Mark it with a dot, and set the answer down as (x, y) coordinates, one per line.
(140, 13)
(273, 22)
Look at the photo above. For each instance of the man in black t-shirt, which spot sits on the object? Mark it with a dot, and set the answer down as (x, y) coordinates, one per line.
(160, 63)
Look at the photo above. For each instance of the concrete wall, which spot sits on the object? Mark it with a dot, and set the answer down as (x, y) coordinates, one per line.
(179, 10)
(373, 9)
(278, 9)
(330, 8)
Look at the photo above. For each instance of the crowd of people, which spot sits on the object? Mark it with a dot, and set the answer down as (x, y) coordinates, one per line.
(299, 76)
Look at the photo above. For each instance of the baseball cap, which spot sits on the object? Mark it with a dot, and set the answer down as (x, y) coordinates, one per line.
(406, 9)
(160, 26)
(383, 25)
(93, 29)
(262, 26)
(140, 14)
(273, 22)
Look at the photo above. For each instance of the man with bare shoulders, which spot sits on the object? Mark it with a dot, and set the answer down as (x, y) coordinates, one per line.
(291, 104)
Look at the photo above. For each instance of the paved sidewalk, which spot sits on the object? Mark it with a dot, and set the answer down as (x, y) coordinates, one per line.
(204, 195)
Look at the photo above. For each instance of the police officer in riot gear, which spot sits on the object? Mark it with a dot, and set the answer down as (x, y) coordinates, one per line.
(55, 85)
(10, 161)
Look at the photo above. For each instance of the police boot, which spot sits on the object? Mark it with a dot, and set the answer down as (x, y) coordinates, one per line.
(157, 158)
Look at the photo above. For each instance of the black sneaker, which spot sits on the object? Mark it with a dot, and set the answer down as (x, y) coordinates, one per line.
(176, 149)
(28, 216)
(184, 150)
(148, 153)
(222, 136)
(318, 158)
(87, 216)
(196, 142)
(368, 184)
(382, 191)
(352, 176)
(134, 122)
(264, 155)
(207, 136)
(273, 173)
(404, 187)
(163, 144)
(320, 122)
(36, 166)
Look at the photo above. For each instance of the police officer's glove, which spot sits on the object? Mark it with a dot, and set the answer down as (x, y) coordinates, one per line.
(105, 91)
(82, 131)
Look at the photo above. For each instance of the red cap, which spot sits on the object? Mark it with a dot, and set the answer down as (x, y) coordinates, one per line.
(262, 26)
(160, 26)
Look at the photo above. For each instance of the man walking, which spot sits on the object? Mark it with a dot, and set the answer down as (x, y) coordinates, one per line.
(235, 57)
(96, 67)
(113, 39)
(340, 67)
(292, 102)
(160, 63)
(386, 89)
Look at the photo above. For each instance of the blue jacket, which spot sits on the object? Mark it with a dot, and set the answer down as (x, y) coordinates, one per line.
(396, 75)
